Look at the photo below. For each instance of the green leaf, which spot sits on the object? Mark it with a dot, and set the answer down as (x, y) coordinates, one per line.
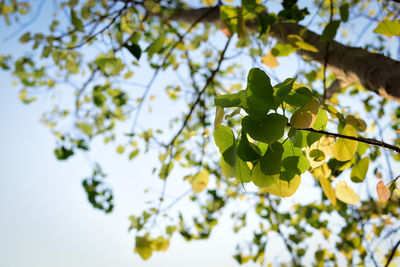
(63, 153)
(165, 170)
(281, 91)
(388, 28)
(294, 162)
(330, 31)
(359, 170)
(226, 142)
(247, 151)
(243, 172)
(266, 173)
(259, 92)
(282, 50)
(305, 116)
(76, 22)
(143, 247)
(344, 12)
(267, 170)
(299, 97)
(134, 49)
(231, 100)
(156, 46)
(219, 116)
(133, 154)
(344, 149)
(266, 129)
(25, 38)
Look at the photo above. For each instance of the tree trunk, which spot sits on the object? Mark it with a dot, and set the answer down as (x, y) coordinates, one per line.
(375, 72)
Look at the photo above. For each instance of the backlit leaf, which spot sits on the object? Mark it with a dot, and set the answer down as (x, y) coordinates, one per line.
(344, 149)
(359, 170)
(345, 194)
(259, 92)
(265, 129)
(269, 60)
(388, 28)
(383, 191)
(200, 181)
(328, 190)
(305, 116)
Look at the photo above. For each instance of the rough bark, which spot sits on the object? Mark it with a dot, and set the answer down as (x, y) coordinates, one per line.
(375, 72)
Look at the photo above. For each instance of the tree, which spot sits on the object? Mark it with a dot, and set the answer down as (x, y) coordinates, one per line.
(328, 119)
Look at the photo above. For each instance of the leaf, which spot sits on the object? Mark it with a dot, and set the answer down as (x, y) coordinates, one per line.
(26, 37)
(76, 22)
(315, 156)
(259, 93)
(247, 151)
(143, 247)
(359, 170)
(267, 173)
(281, 90)
(267, 170)
(133, 154)
(305, 116)
(344, 149)
(120, 149)
(266, 129)
(294, 162)
(231, 100)
(159, 244)
(299, 97)
(209, 2)
(306, 46)
(330, 31)
(243, 172)
(156, 46)
(388, 28)
(269, 60)
(282, 50)
(226, 142)
(219, 116)
(344, 12)
(383, 192)
(345, 194)
(200, 181)
(328, 190)
(134, 49)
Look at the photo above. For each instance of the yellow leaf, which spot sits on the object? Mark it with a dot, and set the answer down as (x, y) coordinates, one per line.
(344, 149)
(209, 2)
(305, 116)
(269, 60)
(219, 116)
(345, 194)
(200, 181)
(383, 191)
(328, 190)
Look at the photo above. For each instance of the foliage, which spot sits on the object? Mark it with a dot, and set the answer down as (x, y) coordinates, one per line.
(272, 136)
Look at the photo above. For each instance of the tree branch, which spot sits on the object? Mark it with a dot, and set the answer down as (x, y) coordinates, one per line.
(391, 256)
(358, 139)
(377, 73)
(209, 80)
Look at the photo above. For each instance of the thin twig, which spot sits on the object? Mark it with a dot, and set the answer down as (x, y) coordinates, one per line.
(359, 139)
(209, 80)
(391, 256)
